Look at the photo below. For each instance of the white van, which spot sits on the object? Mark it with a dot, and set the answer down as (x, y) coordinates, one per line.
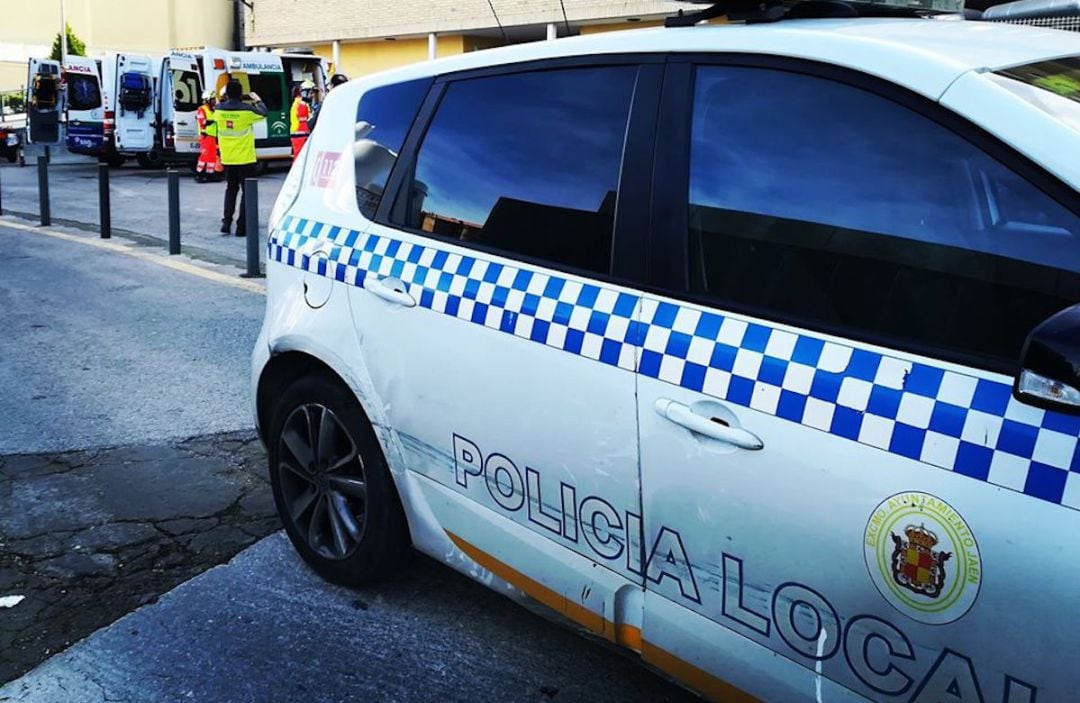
(85, 106)
(44, 102)
(129, 102)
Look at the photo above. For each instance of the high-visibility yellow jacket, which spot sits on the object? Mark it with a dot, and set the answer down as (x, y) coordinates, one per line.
(234, 127)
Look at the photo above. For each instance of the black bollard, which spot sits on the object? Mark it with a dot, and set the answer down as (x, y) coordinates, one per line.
(1, 198)
(251, 223)
(174, 212)
(104, 215)
(43, 190)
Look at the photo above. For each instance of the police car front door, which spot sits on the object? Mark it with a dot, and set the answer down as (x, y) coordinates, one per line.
(827, 518)
(509, 382)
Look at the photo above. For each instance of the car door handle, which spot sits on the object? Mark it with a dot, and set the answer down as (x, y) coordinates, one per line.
(392, 290)
(715, 428)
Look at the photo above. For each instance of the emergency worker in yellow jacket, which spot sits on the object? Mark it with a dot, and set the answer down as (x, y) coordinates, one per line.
(234, 127)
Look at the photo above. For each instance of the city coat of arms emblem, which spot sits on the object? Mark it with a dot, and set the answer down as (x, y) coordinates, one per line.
(915, 564)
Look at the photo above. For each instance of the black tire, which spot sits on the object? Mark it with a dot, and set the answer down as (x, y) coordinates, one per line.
(151, 159)
(377, 540)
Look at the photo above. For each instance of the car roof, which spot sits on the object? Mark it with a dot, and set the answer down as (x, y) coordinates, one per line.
(923, 55)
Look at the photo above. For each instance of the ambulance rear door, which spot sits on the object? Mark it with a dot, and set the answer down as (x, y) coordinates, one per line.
(182, 94)
(44, 102)
(134, 103)
(85, 105)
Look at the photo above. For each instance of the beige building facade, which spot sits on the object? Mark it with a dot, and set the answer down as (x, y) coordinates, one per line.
(141, 26)
(364, 37)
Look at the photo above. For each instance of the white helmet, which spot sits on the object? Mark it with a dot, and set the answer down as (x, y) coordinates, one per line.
(307, 85)
(208, 95)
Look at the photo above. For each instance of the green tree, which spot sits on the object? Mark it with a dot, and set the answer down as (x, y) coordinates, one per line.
(13, 100)
(75, 46)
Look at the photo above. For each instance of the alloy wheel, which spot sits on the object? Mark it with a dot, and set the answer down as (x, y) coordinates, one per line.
(322, 481)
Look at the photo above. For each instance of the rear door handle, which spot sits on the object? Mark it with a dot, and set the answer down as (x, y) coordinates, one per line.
(392, 290)
(714, 428)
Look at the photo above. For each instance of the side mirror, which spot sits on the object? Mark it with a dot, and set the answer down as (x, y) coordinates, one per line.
(1050, 364)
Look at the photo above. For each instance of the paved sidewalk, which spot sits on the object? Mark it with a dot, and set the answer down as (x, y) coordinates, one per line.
(139, 201)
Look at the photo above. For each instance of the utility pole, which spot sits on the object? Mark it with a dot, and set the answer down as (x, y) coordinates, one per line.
(63, 34)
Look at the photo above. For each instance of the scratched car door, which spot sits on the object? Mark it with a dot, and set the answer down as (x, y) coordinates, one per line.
(501, 352)
(842, 499)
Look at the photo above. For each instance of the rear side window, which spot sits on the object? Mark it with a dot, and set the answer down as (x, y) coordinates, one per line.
(527, 164)
(383, 118)
(83, 92)
(822, 203)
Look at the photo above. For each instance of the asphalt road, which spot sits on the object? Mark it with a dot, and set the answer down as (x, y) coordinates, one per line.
(102, 348)
(139, 200)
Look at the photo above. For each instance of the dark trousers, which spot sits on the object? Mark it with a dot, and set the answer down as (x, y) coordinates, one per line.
(234, 181)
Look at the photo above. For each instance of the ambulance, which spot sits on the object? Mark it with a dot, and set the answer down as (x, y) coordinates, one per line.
(273, 77)
(753, 349)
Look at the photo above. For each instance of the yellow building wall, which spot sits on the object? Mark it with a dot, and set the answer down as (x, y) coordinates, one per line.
(363, 58)
(141, 26)
(618, 26)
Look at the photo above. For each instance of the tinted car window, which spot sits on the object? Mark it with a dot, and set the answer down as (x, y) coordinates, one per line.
(383, 118)
(83, 92)
(819, 202)
(527, 163)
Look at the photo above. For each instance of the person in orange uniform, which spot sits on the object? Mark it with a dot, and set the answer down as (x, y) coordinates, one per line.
(299, 116)
(209, 163)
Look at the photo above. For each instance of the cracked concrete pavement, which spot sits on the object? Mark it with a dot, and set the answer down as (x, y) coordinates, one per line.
(87, 536)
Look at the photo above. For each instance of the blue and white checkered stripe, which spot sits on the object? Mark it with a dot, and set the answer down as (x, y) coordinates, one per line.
(954, 421)
(950, 420)
(580, 318)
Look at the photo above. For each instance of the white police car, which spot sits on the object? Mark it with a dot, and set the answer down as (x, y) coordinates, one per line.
(739, 346)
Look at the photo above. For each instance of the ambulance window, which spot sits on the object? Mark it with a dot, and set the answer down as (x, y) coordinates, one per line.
(271, 88)
(383, 118)
(83, 92)
(825, 204)
(527, 163)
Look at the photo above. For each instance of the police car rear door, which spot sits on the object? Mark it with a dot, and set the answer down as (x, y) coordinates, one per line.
(497, 337)
(134, 103)
(833, 467)
(44, 101)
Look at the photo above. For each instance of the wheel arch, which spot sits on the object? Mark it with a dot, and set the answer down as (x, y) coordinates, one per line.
(281, 370)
